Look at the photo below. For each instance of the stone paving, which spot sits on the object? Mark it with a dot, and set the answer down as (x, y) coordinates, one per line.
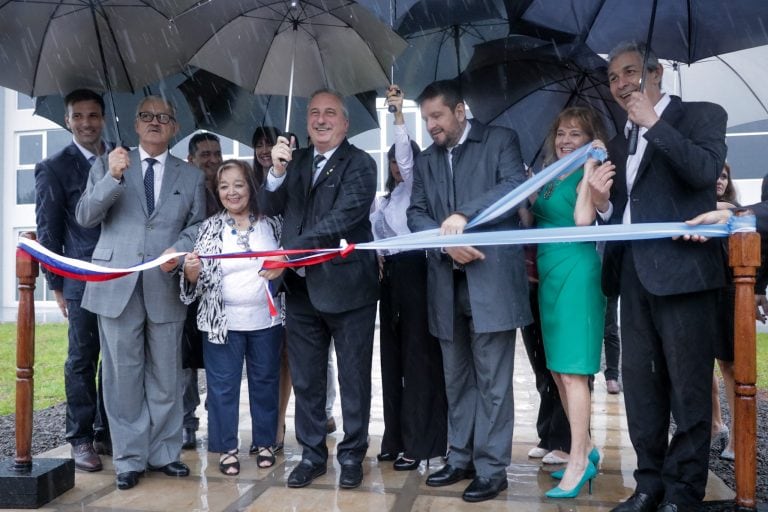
(383, 489)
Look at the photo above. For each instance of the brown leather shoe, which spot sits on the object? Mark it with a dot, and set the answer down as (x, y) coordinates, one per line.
(86, 457)
(613, 386)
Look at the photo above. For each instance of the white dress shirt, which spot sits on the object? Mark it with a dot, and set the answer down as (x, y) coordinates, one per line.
(158, 168)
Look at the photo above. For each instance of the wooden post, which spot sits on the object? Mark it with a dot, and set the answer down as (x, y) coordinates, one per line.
(744, 254)
(27, 271)
(24, 484)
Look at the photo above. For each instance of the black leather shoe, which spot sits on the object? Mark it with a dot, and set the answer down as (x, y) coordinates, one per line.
(667, 507)
(638, 502)
(385, 456)
(351, 475)
(188, 439)
(484, 488)
(449, 475)
(173, 469)
(303, 474)
(403, 464)
(128, 479)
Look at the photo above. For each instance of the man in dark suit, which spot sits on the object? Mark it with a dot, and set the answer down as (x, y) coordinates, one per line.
(59, 183)
(324, 193)
(148, 203)
(476, 299)
(668, 287)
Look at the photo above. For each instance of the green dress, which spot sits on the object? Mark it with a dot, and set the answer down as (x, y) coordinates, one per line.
(571, 302)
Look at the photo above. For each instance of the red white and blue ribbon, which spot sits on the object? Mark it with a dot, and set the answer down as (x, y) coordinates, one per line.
(430, 239)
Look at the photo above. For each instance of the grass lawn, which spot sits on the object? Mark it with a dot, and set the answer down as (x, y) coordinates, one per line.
(50, 354)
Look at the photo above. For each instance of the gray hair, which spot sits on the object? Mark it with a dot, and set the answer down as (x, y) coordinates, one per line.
(634, 47)
(152, 97)
(332, 92)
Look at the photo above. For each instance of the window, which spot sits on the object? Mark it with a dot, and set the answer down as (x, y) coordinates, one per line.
(24, 102)
(57, 140)
(30, 149)
(33, 147)
(227, 146)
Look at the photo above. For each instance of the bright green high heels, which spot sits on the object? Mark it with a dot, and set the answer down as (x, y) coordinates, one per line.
(594, 458)
(590, 472)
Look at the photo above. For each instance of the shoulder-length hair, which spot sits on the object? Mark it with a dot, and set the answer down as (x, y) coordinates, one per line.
(247, 170)
(587, 119)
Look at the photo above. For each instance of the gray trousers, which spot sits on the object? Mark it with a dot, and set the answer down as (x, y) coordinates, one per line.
(478, 382)
(141, 367)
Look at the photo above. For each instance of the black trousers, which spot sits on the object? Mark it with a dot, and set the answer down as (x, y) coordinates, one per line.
(551, 424)
(309, 335)
(86, 417)
(611, 339)
(413, 386)
(667, 365)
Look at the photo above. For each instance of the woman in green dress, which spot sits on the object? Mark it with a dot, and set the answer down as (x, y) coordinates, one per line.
(571, 303)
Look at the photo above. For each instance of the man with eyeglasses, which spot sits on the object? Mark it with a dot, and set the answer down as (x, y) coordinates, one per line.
(148, 203)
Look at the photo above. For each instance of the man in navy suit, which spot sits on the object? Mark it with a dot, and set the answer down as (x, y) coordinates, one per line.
(668, 287)
(325, 195)
(59, 182)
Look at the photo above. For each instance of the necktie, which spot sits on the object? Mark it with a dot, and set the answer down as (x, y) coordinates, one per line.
(318, 164)
(149, 185)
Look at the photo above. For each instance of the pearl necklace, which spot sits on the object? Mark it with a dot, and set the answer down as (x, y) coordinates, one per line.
(244, 235)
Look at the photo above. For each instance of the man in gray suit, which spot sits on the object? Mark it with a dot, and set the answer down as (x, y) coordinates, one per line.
(476, 299)
(148, 203)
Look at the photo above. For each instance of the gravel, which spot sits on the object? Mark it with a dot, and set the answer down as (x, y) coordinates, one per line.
(48, 433)
(48, 427)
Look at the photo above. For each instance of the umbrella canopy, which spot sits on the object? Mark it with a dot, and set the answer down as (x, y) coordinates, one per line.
(736, 81)
(523, 83)
(56, 47)
(204, 101)
(684, 30)
(441, 35)
(123, 109)
(261, 45)
(220, 106)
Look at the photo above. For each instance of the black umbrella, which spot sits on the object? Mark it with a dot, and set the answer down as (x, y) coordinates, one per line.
(684, 30)
(122, 109)
(679, 30)
(441, 35)
(523, 83)
(220, 106)
(204, 101)
(295, 47)
(52, 47)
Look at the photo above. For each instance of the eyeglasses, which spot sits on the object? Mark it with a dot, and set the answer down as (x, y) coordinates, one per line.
(162, 118)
